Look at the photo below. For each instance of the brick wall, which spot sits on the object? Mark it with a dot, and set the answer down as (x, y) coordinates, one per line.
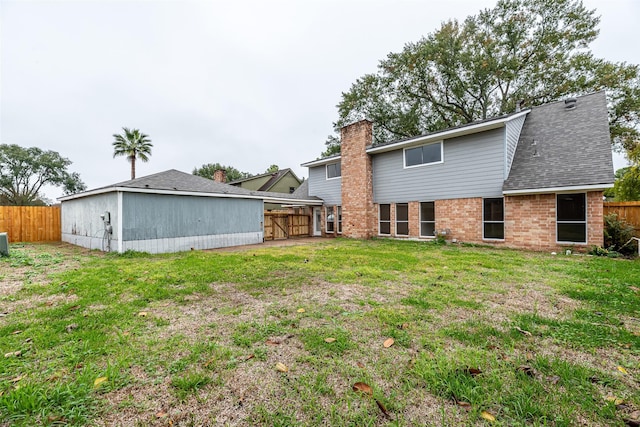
(414, 219)
(595, 220)
(529, 221)
(358, 214)
(463, 217)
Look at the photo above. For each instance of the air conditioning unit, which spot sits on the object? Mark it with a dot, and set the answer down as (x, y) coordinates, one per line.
(4, 244)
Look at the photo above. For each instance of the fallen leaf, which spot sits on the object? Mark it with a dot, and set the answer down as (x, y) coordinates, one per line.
(529, 356)
(75, 307)
(631, 422)
(161, 414)
(281, 367)
(4, 313)
(99, 381)
(621, 369)
(13, 354)
(126, 333)
(383, 409)
(16, 379)
(635, 415)
(554, 379)
(360, 365)
(472, 371)
(464, 405)
(143, 314)
(16, 332)
(28, 340)
(487, 416)
(71, 327)
(301, 310)
(272, 342)
(615, 400)
(527, 370)
(523, 332)
(249, 357)
(329, 340)
(363, 388)
(633, 288)
(404, 326)
(388, 343)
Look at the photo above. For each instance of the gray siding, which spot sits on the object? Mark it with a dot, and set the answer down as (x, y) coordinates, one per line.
(154, 216)
(512, 131)
(81, 222)
(328, 190)
(473, 167)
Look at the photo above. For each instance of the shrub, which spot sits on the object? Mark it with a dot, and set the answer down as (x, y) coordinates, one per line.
(617, 232)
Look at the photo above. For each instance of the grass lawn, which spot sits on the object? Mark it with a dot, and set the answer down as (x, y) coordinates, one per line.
(436, 335)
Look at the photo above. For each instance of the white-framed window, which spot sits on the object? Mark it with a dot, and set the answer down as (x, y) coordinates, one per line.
(330, 219)
(402, 219)
(339, 209)
(571, 218)
(384, 220)
(493, 218)
(334, 171)
(427, 154)
(427, 219)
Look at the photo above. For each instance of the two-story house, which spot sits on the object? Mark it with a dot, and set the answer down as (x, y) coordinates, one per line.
(532, 179)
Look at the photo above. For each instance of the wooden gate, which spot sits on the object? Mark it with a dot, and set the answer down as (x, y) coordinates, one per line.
(284, 225)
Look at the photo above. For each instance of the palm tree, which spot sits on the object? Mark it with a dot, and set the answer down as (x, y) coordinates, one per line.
(134, 145)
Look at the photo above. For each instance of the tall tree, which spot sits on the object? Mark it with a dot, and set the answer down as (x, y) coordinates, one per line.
(272, 169)
(531, 50)
(134, 145)
(24, 171)
(207, 171)
(627, 185)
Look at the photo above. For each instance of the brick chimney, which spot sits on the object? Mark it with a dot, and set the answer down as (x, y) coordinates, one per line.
(220, 175)
(358, 216)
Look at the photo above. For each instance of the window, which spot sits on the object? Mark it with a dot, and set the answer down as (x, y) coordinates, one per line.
(423, 155)
(331, 220)
(291, 190)
(427, 219)
(333, 171)
(402, 219)
(384, 215)
(493, 218)
(339, 219)
(571, 218)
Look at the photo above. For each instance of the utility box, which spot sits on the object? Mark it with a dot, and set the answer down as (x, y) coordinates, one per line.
(4, 244)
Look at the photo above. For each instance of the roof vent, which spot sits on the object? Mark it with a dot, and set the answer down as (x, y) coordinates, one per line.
(570, 103)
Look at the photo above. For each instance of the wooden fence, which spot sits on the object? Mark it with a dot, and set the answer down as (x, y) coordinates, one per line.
(31, 223)
(629, 211)
(282, 225)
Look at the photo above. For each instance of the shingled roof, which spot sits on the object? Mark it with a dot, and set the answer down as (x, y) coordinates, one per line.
(563, 148)
(176, 182)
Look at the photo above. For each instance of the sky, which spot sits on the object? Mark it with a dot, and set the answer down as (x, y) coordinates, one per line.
(245, 83)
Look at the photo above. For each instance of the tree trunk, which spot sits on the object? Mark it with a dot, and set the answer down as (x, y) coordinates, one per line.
(133, 167)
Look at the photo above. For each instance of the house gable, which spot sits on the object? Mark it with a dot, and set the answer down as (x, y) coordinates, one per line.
(563, 148)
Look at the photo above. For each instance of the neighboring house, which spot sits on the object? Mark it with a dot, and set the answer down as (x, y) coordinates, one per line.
(282, 181)
(170, 211)
(532, 179)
